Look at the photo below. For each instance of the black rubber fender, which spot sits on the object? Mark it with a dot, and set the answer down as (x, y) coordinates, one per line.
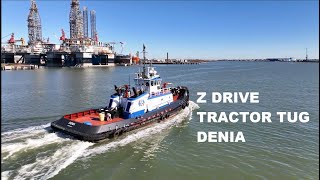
(161, 118)
(118, 132)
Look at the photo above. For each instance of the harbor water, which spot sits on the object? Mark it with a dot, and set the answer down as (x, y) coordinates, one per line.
(168, 150)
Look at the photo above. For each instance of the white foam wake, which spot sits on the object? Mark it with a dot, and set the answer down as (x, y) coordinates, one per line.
(23, 133)
(154, 147)
(30, 143)
(5, 175)
(145, 132)
(193, 105)
(49, 166)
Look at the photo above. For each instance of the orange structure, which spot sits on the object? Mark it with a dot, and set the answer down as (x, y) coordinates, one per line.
(135, 59)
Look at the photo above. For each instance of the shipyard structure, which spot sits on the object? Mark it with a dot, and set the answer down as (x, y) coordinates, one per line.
(79, 50)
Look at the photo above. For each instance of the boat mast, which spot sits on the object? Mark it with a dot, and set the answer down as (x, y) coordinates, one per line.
(144, 61)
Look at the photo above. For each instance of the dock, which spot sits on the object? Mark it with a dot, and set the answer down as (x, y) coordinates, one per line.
(170, 63)
(9, 67)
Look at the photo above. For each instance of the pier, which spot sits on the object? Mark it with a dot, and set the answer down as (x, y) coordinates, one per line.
(8, 67)
(170, 63)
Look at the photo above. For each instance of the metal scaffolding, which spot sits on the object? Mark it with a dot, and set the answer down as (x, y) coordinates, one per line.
(34, 24)
(93, 24)
(85, 22)
(76, 20)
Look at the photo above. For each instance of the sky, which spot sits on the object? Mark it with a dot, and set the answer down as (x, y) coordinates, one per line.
(184, 29)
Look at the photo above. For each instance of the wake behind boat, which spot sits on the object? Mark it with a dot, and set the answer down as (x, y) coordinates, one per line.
(149, 101)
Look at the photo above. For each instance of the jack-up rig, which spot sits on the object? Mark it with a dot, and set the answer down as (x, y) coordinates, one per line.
(78, 50)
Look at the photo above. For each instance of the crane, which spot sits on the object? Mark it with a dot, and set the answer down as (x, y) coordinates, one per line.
(6, 36)
(112, 44)
(63, 35)
(122, 46)
(13, 41)
(96, 37)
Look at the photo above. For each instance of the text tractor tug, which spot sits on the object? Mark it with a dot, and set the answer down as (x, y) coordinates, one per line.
(149, 101)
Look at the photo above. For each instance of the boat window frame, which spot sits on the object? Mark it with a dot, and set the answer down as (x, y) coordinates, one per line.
(110, 103)
(128, 106)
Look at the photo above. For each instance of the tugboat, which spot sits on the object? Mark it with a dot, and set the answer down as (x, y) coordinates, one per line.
(150, 101)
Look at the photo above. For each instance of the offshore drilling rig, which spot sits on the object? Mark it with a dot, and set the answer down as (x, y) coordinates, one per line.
(77, 50)
(76, 21)
(93, 24)
(85, 22)
(35, 42)
(34, 24)
(13, 52)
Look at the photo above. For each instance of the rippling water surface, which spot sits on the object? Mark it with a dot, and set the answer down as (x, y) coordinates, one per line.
(32, 99)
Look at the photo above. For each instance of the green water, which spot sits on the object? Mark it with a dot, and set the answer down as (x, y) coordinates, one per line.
(32, 99)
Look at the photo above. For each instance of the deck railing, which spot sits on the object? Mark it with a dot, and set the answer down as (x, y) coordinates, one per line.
(80, 114)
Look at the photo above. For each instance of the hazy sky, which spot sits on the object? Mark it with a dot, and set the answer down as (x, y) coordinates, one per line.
(185, 29)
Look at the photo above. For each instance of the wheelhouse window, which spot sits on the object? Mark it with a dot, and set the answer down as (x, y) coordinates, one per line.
(110, 103)
(128, 106)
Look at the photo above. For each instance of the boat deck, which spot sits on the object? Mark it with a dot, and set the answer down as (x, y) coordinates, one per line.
(90, 116)
(175, 97)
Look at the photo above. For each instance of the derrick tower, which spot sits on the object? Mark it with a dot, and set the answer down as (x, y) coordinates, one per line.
(85, 22)
(34, 24)
(76, 21)
(93, 24)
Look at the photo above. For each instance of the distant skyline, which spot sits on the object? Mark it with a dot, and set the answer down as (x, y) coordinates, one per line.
(185, 29)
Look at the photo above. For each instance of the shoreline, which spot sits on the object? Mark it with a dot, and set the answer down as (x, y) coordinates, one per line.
(21, 66)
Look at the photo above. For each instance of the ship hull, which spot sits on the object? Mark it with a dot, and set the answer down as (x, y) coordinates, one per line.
(95, 133)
